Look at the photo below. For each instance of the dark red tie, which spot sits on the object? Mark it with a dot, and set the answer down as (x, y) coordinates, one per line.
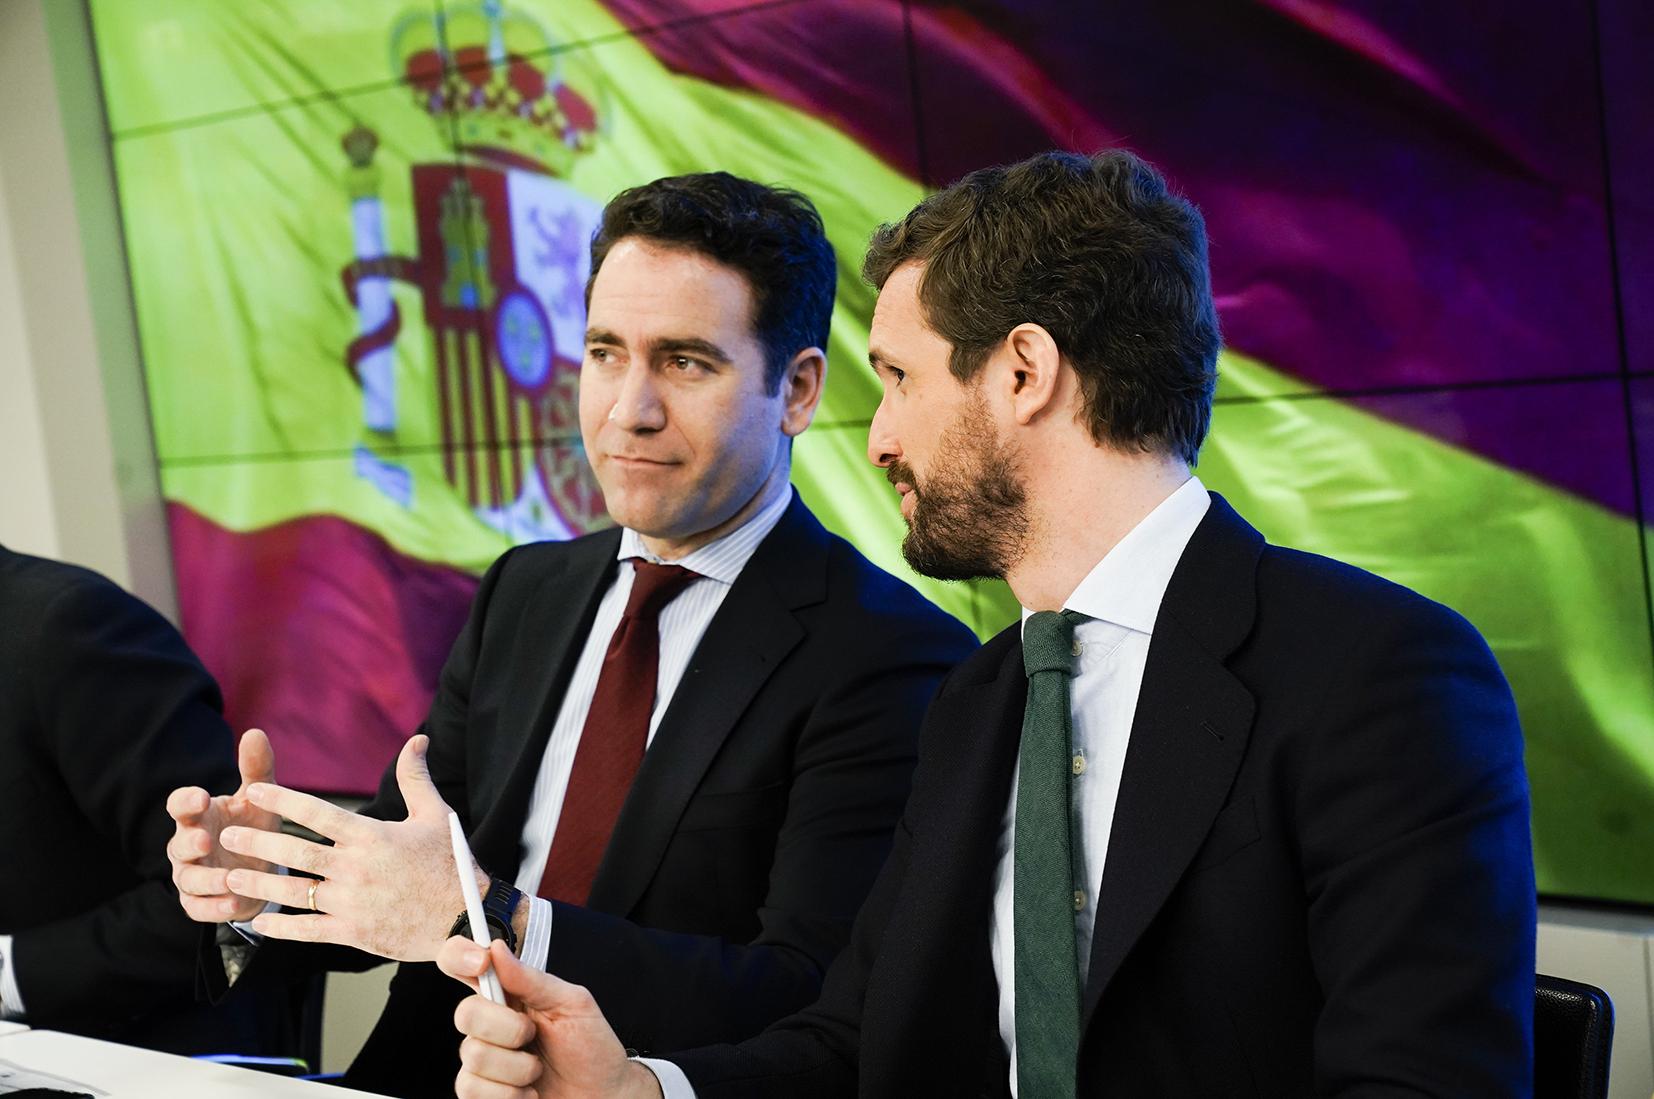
(615, 734)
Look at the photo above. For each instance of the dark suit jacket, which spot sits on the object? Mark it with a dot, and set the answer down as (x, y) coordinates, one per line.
(103, 711)
(1319, 880)
(758, 821)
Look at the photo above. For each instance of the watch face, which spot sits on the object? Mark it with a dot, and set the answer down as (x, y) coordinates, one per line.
(497, 929)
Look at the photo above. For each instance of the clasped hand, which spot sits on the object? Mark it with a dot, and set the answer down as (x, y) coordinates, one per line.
(200, 865)
(387, 887)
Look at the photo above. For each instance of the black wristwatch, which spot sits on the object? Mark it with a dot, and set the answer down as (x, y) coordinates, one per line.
(499, 904)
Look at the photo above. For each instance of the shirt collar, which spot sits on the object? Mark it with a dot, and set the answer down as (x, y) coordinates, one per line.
(723, 558)
(1127, 585)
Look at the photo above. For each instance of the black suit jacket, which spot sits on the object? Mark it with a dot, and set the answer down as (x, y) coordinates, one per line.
(103, 711)
(1319, 880)
(757, 822)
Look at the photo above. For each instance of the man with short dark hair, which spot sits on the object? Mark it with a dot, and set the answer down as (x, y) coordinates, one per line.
(1216, 818)
(678, 747)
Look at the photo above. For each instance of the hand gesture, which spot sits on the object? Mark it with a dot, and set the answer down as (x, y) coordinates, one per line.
(200, 864)
(555, 1045)
(387, 887)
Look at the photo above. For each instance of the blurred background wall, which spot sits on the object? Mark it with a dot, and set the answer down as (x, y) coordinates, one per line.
(289, 316)
(80, 479)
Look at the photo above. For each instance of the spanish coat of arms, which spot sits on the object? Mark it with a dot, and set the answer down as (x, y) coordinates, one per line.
(503, 258)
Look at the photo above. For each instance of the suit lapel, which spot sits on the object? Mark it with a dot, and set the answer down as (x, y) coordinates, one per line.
(974, 785)
(956, 849)
(748, 638)
(553, 624)
(932, 985)
(1190, 732)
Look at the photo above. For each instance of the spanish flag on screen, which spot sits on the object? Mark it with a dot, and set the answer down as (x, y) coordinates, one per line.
(357, 236)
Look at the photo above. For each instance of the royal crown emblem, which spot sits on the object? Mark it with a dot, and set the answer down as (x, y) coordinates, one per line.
(503, 257)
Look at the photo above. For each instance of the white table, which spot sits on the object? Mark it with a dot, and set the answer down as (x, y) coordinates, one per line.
(126, 1072)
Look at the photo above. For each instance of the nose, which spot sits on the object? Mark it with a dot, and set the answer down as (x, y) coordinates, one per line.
(882, 447)
(638, 405)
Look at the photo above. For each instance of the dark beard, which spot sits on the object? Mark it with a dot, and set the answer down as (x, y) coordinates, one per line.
(970, 518)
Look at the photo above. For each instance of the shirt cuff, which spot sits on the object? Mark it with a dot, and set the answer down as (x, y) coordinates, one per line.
(536, 946)
(11, 1000)
(244, 928)
(673, 1083)
(237, 942)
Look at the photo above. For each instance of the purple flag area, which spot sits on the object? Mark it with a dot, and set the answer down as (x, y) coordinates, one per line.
(1588, 449)
(1398, 198)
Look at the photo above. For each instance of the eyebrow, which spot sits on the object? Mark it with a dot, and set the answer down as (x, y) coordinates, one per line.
(691, 345)
(879, 361)
(672, 345)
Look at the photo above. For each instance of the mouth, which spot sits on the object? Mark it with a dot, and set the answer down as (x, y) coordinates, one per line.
(901, 479)
(627, 461)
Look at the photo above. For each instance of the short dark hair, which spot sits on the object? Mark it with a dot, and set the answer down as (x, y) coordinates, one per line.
(1097, 251)
(771, 235)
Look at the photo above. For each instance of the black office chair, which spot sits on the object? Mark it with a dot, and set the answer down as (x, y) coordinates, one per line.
(1573, 1028)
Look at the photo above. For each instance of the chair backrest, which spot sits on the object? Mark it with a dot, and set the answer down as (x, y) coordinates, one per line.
(1573, 1028)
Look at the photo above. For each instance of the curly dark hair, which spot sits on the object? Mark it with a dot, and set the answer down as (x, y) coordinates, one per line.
(1098, 252)
(772, 235)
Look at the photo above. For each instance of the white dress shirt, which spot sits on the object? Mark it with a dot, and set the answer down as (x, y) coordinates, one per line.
(682, 623)
(11, 1000)
(1121, 597)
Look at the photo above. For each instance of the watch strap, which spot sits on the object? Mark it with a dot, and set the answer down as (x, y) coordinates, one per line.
(499, 905)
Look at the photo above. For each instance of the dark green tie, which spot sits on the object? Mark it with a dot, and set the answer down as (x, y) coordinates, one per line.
(1047, 969)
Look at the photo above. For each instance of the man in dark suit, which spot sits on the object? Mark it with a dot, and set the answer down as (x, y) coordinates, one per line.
(102, 711)
(1217, 818)
(776, 678)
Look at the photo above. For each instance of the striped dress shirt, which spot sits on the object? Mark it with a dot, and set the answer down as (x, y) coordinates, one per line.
(682, 623)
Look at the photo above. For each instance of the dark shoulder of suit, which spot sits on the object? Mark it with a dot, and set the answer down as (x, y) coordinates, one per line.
(1318, 874)
(103, 711)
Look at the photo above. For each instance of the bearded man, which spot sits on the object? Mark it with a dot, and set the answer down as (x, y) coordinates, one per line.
(1215, 818)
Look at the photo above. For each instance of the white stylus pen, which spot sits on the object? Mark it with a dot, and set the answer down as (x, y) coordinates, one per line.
(488, 984)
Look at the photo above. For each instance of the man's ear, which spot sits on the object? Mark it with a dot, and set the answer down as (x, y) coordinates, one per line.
(801, 385)
(1030, 369)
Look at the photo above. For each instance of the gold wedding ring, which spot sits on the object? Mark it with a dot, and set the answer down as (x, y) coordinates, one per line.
(310, 898)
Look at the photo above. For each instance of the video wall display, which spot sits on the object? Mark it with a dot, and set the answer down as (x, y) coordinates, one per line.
(358, 239)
